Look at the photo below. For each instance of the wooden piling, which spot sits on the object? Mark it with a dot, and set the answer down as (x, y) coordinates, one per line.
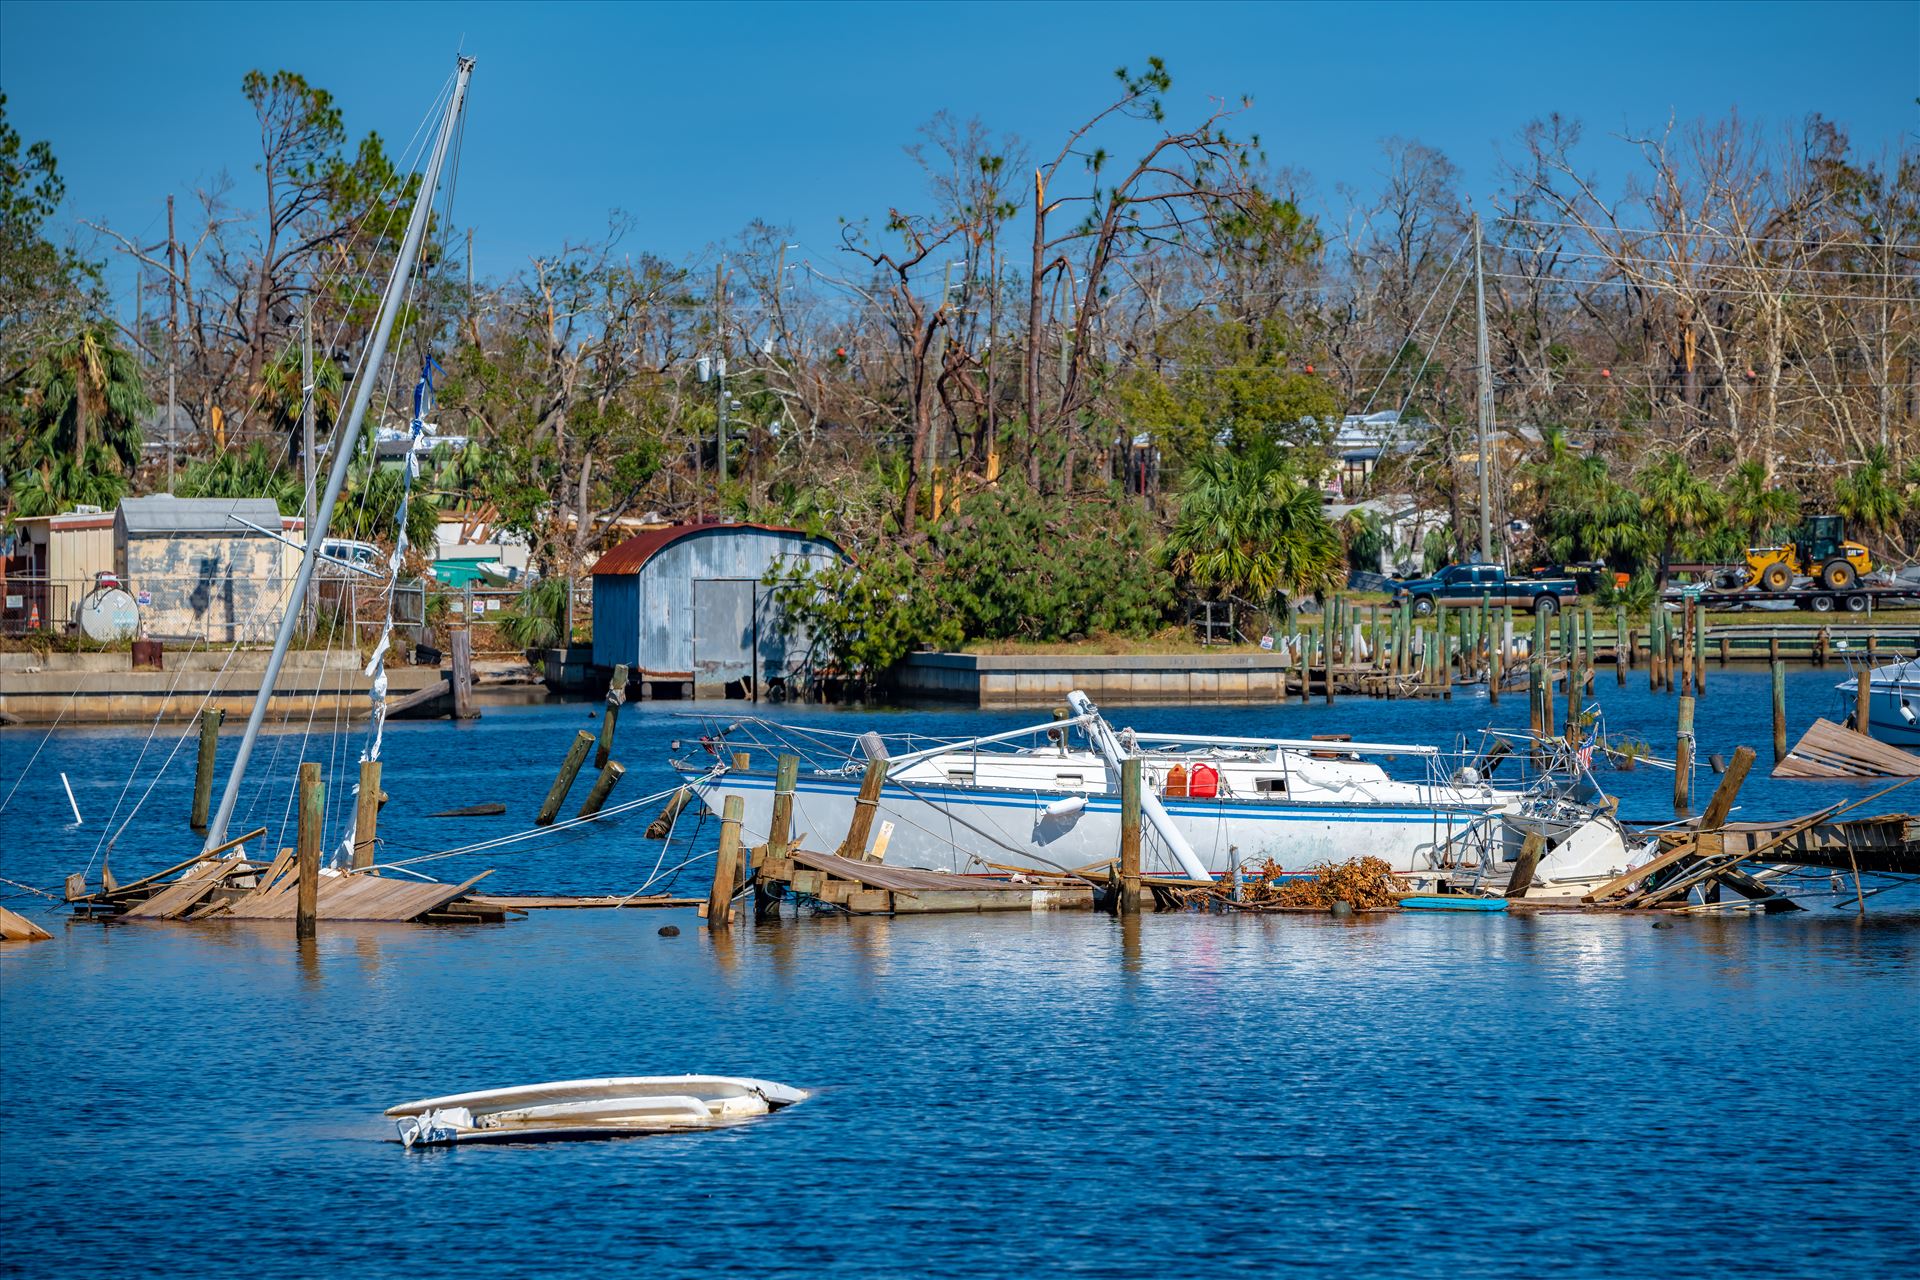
(1862, 700)
(855, 844)
(366, 816)
(742, 761)
(1574, 684)
(786, 780)
(1532, 849)
(1496, 669)
(602, 788)
(563, 782)
(663, 822)
(1653, 649)
(1129, 904)
(1686, 647)
(1332, 648)
(779, 835)
(1683, 757)
(1723, 794)
(1699, 651)
(313, 816)
(1779, 710)
(461, 643)
(203, 770)
(1622, 646)
(616, 694)
(726, 866)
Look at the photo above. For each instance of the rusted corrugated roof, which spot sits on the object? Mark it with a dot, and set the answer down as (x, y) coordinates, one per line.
(630, 555)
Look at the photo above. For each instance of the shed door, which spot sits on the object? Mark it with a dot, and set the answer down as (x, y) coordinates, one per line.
(722, 630)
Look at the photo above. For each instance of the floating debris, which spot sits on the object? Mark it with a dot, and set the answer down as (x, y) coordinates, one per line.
(1363, 884)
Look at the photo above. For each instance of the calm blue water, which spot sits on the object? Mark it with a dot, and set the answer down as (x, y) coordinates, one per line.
(999, 1095)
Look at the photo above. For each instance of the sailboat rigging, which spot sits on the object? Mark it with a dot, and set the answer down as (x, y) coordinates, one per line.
(346, 438)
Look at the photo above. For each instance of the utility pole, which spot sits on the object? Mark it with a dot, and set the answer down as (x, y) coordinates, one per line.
(1485, 366)
(306, 447)
(173, 341)
(720, 367)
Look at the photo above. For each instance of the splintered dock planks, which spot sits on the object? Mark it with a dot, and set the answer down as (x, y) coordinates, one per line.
(357, 898)
(1828, 750)
(872, 888)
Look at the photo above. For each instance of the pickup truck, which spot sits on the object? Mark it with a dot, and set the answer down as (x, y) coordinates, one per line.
(1467, 583)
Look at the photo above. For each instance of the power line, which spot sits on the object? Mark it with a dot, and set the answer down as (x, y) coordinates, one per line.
(1696, 234)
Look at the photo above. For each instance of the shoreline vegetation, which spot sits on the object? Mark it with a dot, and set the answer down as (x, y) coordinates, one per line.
(1072, 386)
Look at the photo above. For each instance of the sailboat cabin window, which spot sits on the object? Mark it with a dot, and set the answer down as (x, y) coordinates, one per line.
(1270, 786)
(1070, 781)
(960, 772)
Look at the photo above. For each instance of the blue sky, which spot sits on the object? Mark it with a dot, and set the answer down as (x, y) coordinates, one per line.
(696, 119)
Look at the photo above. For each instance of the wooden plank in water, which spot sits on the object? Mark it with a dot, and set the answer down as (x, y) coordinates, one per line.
(144, 881)
(1685, 849)
(879, 876)
(421, 703)
(176, 898)
(491, 809)
(359, 898)
(1828, 750)
(15, 927)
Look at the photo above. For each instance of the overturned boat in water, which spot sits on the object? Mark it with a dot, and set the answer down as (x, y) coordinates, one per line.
(602, 1107)
(1047, 798)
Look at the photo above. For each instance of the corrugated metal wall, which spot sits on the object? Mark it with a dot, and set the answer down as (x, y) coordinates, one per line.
(74, 556)
(654, 628)
(616, 619)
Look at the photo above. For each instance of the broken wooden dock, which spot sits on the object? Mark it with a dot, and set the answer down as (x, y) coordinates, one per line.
(241, 888)
(1831, 751)
(861, 887)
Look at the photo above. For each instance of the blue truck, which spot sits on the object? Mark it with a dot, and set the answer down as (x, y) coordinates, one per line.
(1461, 584)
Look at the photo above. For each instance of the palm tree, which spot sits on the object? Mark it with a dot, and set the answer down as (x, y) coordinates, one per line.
(86, 387)
(1677, 502)
(283, 398)
(1868, 497)
(1248, 526)
(1583, 513)
(59, 484)
(252, 472)
(1759, 510)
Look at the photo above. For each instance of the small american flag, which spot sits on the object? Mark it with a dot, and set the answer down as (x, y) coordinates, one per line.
(1585, 756)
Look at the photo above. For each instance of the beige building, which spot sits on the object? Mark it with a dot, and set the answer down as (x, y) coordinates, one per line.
(52, 566)
(205, 569)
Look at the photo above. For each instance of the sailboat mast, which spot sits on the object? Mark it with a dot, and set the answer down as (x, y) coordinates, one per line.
(1484, 365)
(344, 443)
(307, 409)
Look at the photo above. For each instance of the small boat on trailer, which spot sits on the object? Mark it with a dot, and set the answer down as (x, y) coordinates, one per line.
(1046, 798)
(602, 1107)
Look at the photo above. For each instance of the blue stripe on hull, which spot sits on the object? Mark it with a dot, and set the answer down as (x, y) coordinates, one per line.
(1423, 815)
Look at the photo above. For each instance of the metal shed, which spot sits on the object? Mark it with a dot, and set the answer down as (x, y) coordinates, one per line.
(198, 572)
(685, 608)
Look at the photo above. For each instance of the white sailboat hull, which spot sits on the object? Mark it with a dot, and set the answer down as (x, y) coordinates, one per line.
(965, 830)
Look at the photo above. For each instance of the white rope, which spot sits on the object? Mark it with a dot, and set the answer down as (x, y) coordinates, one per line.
(497, 842)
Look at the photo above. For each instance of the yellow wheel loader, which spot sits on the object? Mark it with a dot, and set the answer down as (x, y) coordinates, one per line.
(1819, 550)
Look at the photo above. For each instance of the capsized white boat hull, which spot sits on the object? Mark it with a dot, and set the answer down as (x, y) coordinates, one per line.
(603, 1106)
